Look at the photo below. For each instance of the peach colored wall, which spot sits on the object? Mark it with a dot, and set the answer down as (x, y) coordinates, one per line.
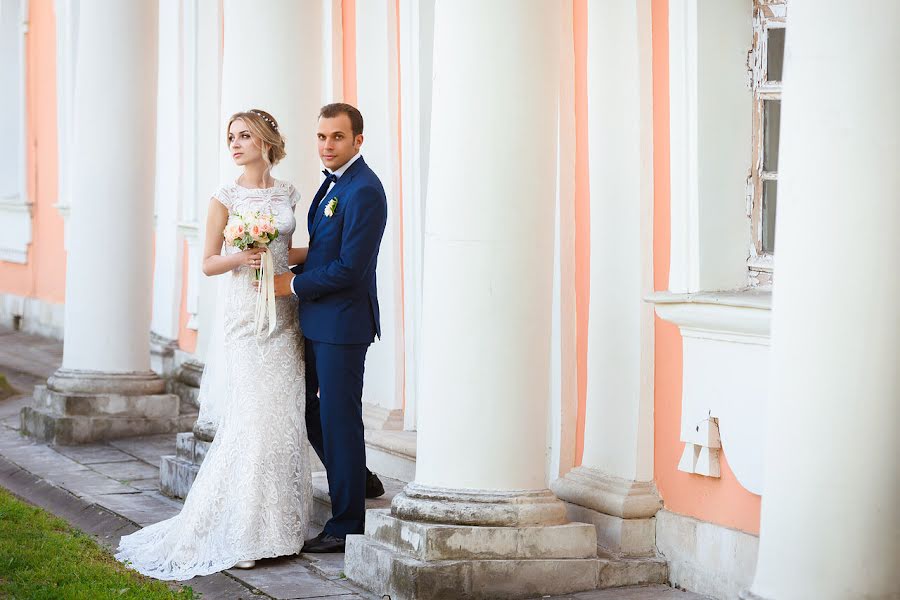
(582, 220)
(44, 275)
(187, 338)
(723, 501)
(348, 25)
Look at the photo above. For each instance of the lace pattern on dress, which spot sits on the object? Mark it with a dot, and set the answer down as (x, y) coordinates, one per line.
(251, 497)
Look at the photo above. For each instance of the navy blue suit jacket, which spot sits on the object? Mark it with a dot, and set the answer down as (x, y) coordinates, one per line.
(336, 285)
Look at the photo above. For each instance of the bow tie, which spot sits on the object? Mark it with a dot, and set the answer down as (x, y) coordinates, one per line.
(329, 176)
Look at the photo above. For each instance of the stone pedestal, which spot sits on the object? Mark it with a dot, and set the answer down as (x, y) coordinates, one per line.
(412, 560)
(622, 510)
(77, 407)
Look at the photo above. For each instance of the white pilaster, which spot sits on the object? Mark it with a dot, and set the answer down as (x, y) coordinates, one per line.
(378, 99)
(416, 22)
(487, 297)
(616, 475)
(830, 524)
(169, 159)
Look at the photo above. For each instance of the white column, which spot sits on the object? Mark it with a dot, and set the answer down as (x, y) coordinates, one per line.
(169, 158)
(489, 247)
(272, 60)
(830, 527)
(615, 479)
(487, 298)
(378, 100)
(105, 388)
(110, 260)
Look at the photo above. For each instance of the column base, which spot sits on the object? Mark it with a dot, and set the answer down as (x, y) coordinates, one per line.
(82, 407)
(411, 560)
(622, 511)
(177, 472)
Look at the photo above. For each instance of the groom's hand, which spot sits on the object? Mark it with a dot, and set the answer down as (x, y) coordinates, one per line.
(283, 284)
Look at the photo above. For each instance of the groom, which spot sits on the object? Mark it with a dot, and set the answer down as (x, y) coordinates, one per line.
(339, 317)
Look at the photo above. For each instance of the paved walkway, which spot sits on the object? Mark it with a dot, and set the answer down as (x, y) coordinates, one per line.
(111, 489)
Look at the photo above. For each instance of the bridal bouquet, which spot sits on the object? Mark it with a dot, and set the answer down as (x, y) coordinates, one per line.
(257, 230)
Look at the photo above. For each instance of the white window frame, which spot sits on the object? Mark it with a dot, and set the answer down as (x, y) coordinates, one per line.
(767, 15)
(16, 207)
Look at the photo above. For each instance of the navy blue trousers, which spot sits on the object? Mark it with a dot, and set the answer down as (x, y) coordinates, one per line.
(334, 426)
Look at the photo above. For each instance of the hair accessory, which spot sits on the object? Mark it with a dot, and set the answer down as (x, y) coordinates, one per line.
(271, 122)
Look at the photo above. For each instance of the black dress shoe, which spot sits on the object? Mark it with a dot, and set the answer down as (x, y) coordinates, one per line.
(374, 487)
(324, 542)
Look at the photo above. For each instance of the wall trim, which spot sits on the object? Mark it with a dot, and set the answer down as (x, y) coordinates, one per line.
(704, 557)
(32, 315)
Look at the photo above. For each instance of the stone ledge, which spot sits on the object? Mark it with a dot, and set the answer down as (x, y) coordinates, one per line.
(66, 430)
(157, 406)
(627, 537)
(383, 570)
(434, 542)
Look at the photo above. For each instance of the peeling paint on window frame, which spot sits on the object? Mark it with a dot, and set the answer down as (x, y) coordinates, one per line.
(767, 15)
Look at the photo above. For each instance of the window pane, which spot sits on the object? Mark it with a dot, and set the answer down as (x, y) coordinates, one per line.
(770, 195)
(771, 128)
(775, 61)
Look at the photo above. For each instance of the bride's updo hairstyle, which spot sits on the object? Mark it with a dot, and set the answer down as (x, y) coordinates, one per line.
(264, 128)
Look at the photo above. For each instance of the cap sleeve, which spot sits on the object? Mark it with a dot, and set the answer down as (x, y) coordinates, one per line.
(225, 197)
(294, 196)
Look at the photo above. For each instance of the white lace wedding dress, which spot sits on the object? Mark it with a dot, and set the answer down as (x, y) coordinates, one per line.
(251, 497)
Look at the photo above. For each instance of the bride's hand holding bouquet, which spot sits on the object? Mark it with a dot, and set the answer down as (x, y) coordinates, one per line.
(251, 233)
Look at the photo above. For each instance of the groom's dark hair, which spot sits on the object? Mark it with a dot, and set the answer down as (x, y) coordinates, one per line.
(330, 111)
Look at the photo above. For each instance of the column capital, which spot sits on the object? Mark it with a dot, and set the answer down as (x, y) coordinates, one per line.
(607, 494)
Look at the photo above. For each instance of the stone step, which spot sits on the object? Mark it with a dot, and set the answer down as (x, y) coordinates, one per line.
(391, 453)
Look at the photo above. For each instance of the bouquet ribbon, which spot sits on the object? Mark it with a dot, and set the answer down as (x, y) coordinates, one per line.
(265, 295)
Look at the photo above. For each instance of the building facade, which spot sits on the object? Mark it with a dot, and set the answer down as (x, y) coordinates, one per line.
(576, 280)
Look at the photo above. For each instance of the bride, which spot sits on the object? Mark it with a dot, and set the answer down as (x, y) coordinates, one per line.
(251, 497)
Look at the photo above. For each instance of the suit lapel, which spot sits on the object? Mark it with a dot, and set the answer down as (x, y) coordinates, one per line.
(341, 183)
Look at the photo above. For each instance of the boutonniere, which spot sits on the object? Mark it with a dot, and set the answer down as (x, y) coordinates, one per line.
(330, 207)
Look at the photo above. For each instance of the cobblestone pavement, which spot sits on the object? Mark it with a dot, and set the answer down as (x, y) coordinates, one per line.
(111, 489)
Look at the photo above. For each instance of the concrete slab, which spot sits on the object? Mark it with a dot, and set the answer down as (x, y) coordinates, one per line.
(147, 448)
(88, 455)
(288, 578)
(140, 507)
(126, 471)
(652, 592)
(145, 485)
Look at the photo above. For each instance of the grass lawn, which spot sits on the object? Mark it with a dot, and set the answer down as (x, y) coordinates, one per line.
(43, 558)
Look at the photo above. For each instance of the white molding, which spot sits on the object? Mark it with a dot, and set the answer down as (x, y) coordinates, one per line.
(66, 59)
(725, 343)
(332, 52)
(710, 137)
(378, 99)
(684, 268)
(15, 205)
(33, 315)
(414, 199)
(15, 214)
(743, 317)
